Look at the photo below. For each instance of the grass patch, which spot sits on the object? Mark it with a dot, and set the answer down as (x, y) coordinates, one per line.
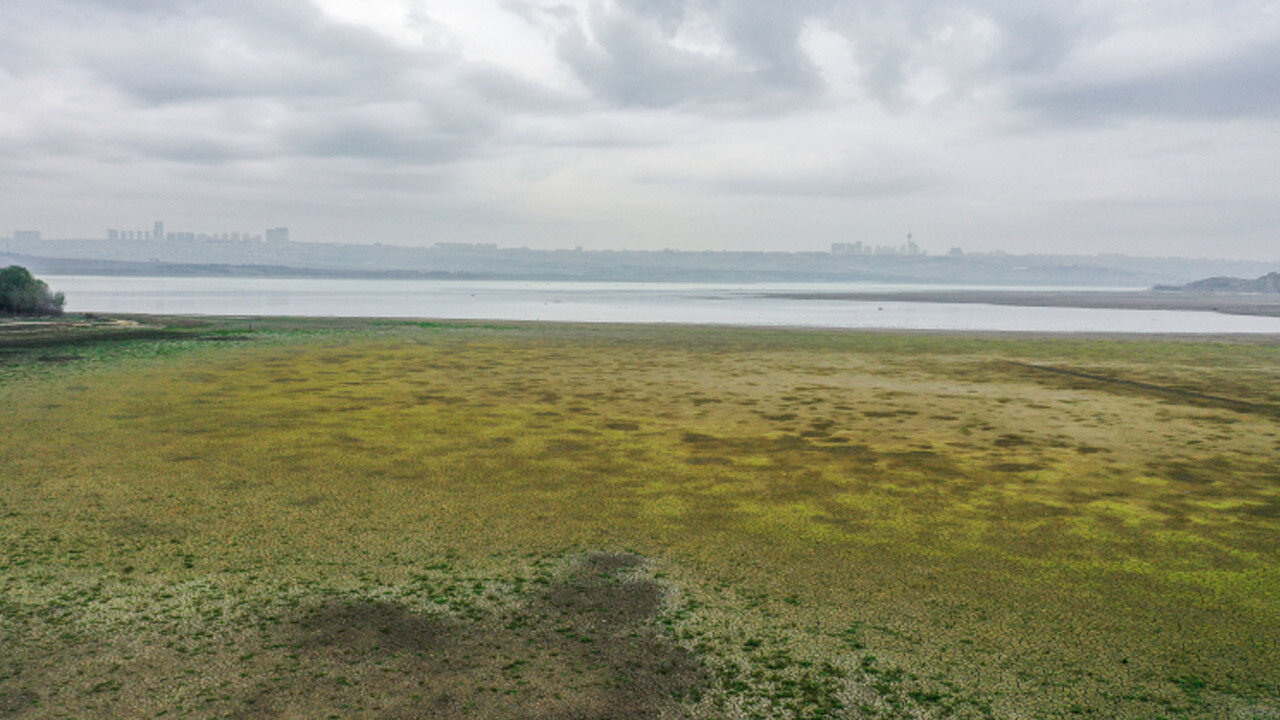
(261, 518)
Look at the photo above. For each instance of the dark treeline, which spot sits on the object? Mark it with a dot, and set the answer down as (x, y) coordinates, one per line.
(22, 294)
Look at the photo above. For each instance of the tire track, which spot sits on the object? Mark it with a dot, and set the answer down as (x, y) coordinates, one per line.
(1172, 392)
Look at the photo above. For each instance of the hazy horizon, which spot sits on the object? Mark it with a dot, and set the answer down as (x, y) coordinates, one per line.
(925, 253)
(1144, 129)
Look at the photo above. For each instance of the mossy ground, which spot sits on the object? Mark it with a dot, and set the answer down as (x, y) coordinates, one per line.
(391, 519)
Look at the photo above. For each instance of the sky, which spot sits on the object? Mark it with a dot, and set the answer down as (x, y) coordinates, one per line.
(1142, 127)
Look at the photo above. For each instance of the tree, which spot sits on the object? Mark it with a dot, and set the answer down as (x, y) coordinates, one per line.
(22, 294)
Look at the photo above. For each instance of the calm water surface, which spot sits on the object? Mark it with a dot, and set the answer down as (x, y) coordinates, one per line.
(717, 304)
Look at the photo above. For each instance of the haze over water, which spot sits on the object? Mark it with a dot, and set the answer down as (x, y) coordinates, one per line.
(714, 304)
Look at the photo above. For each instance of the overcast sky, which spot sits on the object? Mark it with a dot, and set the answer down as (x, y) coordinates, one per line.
(1142, 127)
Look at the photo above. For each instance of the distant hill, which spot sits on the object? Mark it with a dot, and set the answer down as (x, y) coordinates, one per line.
(1268, 284)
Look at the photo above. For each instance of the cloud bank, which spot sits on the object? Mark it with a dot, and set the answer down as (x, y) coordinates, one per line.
(1141, 127)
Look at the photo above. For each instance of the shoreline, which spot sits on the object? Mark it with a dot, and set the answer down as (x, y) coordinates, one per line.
(131, 325)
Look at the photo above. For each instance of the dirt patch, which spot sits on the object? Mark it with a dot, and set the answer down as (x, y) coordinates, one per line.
(137, 527)
(222, 338)
(1011, 440)
(698, 438)
(597, 591)
(65, 336)
(307, 501)
(586, 645)
(1202, 472)
(610, 562)
(361, 627)
(12, 703)
(1017, 467)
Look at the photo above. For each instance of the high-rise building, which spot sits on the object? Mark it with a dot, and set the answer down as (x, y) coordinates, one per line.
(113, 234)
(847, 248)
(158, 233)
(278, 235)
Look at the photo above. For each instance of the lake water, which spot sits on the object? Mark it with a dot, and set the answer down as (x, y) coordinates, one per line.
(715, 304)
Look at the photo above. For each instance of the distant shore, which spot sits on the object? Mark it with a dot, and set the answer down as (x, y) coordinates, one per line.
(1226, 303)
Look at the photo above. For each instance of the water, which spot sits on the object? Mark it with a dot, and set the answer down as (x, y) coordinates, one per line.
(715, 304)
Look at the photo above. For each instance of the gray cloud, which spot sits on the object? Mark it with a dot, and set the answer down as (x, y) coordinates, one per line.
(1241, 84)
(1008, 113)
(630, 54)
(509, 92)
(832, 184)
(963, 48)
(196, 82)
(403, 133)
(265, 50)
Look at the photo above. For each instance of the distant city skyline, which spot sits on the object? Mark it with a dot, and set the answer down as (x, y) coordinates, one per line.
(159, 234)
(1143, 128)
(32, 240)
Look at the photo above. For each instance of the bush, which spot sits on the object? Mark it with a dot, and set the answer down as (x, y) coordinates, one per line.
(22, 294)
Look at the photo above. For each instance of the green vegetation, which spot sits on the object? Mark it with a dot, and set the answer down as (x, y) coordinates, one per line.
(23, 294)
(391, 519)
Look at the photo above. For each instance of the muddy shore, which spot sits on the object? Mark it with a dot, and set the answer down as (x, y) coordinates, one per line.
(1227, 303)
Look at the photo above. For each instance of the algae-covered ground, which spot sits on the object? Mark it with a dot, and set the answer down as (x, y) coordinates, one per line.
(273, 518)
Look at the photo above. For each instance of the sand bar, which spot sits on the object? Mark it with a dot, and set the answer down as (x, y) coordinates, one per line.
(1228, 303)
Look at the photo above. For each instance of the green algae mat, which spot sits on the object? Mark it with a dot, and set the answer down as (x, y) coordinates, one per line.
(384, 519)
